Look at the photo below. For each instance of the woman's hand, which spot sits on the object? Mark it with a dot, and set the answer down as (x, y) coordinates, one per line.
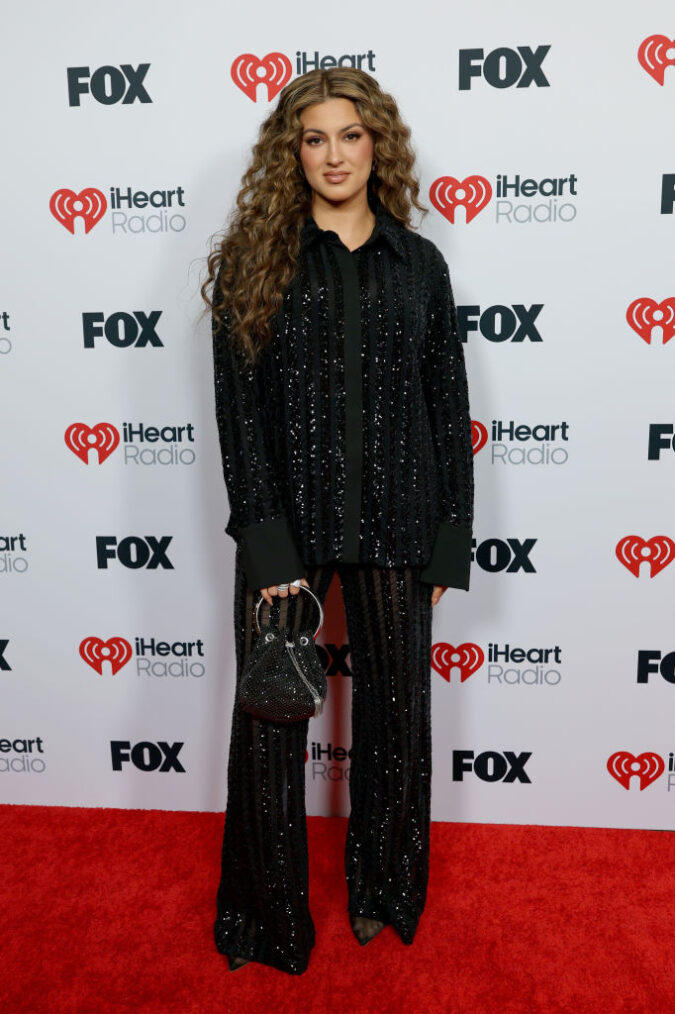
(267, 593)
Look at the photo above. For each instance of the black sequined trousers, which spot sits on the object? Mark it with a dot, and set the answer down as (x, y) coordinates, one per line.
(263, 899)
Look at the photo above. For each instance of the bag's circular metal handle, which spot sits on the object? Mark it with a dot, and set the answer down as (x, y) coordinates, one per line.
(304, 588)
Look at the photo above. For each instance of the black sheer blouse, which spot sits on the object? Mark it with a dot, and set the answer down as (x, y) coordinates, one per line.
(351, 438)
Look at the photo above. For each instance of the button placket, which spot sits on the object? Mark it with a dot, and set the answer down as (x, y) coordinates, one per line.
(348, 265)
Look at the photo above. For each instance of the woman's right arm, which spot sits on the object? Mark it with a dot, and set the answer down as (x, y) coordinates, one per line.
(257, 519)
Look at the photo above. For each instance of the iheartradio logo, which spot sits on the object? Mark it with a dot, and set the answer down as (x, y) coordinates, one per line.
(633, 550)
(644, 314)
(274, 70)
(143, 445)
(90, 205)
(468, 658)
(95, 652)
(103, 438)
(479, 435)
(647, 766)
(448, 193)
(507, 664)
(519, 200)
(515, 443)
(654, 57)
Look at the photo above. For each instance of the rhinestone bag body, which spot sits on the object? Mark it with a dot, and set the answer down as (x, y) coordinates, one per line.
(284, 679)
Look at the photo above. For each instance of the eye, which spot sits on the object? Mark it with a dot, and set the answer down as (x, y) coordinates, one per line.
(352, 134)
(308, 140)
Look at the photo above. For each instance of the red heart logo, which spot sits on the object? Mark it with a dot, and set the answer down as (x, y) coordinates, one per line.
(447, 193)
(465, 657)
(247, 71)
(479, 435)
(115, 650)
(653, 56)
(634, 550)
(103, 437)
(643, 314)
(90, 204)
(647, 766)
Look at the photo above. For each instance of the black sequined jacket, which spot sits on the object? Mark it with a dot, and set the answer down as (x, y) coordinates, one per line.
(351, 438)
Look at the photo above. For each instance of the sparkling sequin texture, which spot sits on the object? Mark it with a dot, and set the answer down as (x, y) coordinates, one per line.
(347, 449)
(351, 439)
(262, 904)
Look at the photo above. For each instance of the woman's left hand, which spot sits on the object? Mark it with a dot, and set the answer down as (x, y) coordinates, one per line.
(436, 594)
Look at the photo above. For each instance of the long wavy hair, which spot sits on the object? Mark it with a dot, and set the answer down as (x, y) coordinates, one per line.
(251, 265)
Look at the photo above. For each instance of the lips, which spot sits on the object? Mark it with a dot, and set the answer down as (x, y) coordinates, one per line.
(336, 177)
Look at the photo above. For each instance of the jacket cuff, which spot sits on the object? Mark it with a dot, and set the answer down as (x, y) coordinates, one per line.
(450, 561)
(269, 553)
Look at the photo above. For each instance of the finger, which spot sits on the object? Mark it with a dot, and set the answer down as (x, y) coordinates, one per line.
(266, 595)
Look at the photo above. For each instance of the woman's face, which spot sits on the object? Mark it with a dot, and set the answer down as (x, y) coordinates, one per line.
(336, 149)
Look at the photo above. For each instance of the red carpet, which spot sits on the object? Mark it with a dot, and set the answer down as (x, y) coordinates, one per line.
(111, 910)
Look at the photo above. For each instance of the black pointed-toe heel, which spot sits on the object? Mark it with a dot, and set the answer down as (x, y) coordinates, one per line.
(365, 929)
(235, 962)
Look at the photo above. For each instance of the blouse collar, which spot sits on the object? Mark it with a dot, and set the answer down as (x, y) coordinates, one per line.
(386, 226)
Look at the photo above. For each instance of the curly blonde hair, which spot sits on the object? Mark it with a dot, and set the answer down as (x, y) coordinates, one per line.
(251, 266)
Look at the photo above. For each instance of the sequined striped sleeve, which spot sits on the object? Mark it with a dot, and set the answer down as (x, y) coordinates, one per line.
(447, 397)
(257, 520)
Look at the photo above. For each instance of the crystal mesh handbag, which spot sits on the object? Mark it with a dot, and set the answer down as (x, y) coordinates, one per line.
(284, 679)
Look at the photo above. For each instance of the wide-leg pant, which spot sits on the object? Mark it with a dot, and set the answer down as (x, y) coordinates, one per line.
(263, 900)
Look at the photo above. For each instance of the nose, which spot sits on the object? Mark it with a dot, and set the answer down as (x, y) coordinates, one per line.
(333, 157)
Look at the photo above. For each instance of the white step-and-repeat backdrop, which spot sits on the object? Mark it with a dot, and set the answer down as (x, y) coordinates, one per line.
(547, 161)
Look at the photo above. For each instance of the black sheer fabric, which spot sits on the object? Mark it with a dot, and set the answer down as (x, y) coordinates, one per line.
(263, 909)
(351, 438)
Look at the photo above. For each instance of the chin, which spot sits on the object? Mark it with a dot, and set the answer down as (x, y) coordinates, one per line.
(338, 193)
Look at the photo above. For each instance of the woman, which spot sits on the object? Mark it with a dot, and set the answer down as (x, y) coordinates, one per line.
(343, 416)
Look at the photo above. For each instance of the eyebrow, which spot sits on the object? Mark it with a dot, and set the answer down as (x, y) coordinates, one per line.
(342, 129)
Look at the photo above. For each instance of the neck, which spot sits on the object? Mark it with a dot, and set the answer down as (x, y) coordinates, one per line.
(351, 219)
